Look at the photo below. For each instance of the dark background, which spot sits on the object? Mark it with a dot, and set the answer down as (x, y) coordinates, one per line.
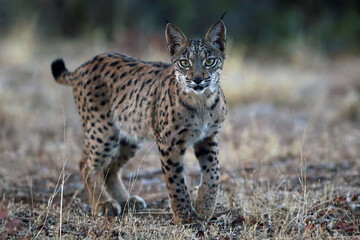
(270, 26)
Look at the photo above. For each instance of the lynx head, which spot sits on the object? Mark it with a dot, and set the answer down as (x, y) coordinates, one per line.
(197, 63)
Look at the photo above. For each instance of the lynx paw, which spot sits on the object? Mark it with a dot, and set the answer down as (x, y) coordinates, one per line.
(193, 218)
(204, 211)
(135, 202)
(108, 208)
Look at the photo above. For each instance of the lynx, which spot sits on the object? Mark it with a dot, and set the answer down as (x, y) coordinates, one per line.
(123, 101)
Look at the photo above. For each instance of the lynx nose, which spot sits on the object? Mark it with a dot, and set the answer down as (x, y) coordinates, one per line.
(198, 80)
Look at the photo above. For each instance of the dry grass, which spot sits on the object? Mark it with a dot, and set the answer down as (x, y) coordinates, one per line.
(290, 152)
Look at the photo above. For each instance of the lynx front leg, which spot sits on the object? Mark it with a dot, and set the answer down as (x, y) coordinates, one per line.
(206, 152)
(172, 167)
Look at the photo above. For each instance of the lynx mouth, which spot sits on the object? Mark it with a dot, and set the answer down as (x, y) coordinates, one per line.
(198, 88)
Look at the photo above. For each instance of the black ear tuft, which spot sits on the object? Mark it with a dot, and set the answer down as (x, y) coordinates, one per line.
(222, 17)
(167, 21)
(217, 35)
(175, 38)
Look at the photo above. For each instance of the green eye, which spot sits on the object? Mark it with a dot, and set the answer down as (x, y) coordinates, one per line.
(209, 62)
(184, 63)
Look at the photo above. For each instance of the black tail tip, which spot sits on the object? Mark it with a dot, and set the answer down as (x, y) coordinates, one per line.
(58, 67)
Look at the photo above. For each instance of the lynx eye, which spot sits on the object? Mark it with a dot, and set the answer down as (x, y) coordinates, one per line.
(209, 62)
(184, 63)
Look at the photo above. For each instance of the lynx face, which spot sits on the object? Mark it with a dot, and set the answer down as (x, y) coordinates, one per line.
(198, 63)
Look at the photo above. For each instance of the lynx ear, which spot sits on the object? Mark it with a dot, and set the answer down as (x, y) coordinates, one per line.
(217, 35)
(175, 38)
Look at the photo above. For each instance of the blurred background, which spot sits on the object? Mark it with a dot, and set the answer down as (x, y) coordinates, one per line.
(291, 79)
(273, 26)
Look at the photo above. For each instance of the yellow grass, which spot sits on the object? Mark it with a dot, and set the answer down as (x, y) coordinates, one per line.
(289, 148)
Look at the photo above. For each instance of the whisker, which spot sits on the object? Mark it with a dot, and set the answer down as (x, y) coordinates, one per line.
(231, 84)
(226, 78)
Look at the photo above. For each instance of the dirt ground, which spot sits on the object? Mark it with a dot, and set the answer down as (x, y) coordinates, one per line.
(289, 152)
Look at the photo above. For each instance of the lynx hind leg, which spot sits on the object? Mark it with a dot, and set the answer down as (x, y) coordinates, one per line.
(114, 184)
(95, 157)
(94, 184)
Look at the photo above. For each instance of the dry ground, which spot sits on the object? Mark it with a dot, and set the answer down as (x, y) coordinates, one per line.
(289, 151)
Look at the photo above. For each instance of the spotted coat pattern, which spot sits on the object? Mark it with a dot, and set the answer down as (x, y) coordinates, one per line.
(122, 101)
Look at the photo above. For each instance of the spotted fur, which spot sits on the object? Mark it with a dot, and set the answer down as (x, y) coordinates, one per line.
(122, 101)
